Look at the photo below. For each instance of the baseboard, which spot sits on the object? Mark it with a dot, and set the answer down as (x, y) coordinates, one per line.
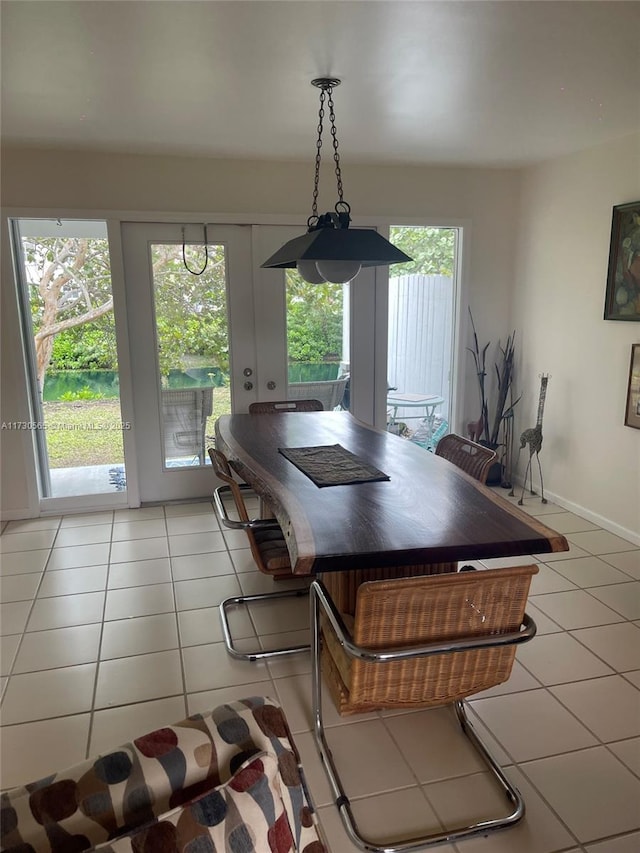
(15, 515)
(69, 506)
(632, 535)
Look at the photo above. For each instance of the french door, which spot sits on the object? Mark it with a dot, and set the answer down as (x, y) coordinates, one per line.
(207, 328)
(190, 319)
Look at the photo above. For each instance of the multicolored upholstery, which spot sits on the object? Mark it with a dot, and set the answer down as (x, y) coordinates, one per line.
(224, 782)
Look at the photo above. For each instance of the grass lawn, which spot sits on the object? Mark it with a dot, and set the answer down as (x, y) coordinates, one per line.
(89, 432)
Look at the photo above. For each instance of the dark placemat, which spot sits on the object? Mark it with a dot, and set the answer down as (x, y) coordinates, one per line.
(332, 465)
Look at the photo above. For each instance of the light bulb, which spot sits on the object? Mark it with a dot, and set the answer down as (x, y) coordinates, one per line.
(309, 272)
(338, 272)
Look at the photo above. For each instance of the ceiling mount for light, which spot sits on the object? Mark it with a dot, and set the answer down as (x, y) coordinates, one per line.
(330, 250)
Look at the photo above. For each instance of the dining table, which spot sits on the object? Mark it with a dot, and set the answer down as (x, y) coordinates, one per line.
(351, 496)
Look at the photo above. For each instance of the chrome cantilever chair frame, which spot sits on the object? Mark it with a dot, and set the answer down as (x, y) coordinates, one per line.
(235, 601)
(320, 601)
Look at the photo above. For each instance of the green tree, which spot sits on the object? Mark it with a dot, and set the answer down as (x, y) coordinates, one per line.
(191, 310)
(82, 348)
(432, 250)
(314, 320)
(69, 285)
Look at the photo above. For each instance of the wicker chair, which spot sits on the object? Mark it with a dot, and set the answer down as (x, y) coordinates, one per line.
(268, 548)
(282, 406)
(266, 539)
(420, 642)
(467, 455)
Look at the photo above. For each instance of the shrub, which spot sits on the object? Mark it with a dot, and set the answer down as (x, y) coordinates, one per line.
(83, 394)
(83, 348)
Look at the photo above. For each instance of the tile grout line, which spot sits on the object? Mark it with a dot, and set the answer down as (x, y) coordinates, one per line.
(183, 673)
(26, 623)
(94, 692)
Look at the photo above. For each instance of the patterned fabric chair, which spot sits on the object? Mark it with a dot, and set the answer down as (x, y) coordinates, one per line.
(229, 780)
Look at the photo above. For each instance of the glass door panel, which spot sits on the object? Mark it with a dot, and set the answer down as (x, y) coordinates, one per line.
(318, 351)
(187, 366)
(67, 315)
(192, 329)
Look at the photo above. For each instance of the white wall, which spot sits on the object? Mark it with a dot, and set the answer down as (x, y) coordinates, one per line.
(590, 459)
(72, 183)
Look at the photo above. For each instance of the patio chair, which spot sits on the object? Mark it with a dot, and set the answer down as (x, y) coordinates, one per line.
(283, 406)
(330, 393)
(469, 456)
(268, 549)
(184, 421)
(417, 643)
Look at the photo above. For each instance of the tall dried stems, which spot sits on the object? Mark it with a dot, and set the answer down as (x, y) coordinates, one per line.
(505, 403)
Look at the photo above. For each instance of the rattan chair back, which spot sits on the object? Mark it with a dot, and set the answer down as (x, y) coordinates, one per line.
(267, 543)
(467, 455)
(281, 406)
(413, 612)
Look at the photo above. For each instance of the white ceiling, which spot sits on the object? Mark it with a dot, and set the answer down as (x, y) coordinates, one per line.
(482, 83)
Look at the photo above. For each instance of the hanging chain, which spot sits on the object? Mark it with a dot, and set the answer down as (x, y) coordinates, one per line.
(336, 155)
(326, 93)
(316, 180)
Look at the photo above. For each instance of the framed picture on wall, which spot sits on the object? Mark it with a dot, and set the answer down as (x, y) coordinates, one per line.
(622, 301)
(632, 416)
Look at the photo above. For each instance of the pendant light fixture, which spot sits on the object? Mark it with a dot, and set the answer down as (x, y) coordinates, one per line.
(330, 250)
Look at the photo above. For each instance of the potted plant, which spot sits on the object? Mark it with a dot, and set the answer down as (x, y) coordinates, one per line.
(494, 427)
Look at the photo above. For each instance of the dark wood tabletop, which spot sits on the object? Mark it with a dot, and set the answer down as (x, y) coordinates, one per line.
(427, 512)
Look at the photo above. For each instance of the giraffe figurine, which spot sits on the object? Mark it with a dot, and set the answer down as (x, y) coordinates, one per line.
(533, 437)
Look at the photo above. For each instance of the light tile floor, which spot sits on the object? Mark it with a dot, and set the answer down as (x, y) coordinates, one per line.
(109, 629)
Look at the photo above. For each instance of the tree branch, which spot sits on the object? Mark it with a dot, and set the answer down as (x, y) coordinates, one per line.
(88, 317)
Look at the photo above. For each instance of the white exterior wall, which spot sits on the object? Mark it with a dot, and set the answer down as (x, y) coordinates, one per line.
(420, 337)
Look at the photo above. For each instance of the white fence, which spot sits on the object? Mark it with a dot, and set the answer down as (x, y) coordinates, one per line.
(420, 334)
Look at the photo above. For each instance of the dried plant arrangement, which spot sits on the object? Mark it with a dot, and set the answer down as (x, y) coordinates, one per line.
(494, 426)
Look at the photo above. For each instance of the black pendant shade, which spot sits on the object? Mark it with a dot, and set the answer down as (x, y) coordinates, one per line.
(364, 245)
